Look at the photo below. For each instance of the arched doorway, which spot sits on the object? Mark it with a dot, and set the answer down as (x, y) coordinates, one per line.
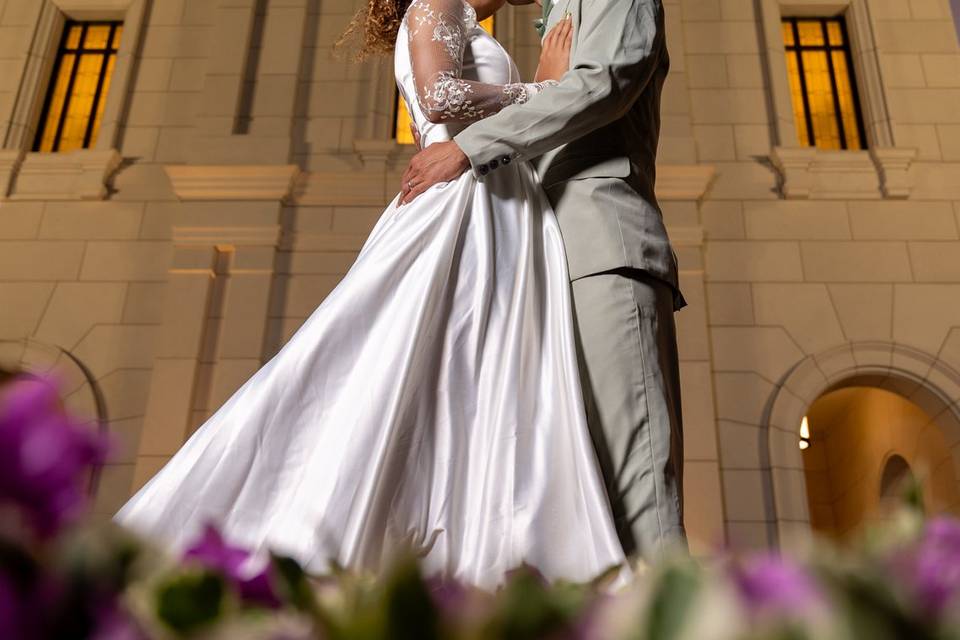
(865, 445)
(925, 381)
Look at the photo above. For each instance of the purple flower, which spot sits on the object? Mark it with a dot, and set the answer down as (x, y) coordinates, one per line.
(10, 610)
(772, 585)
(44, 455)
(932, 566)
(214, 553)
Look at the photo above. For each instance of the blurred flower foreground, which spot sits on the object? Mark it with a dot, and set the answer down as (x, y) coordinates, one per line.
(64, 578)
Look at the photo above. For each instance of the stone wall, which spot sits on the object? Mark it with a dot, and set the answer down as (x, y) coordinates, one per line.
(242, 165)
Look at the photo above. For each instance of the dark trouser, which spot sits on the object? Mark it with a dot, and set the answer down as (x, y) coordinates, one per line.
(630, 375)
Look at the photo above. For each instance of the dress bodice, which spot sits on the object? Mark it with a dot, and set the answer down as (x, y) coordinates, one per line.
(485, 64)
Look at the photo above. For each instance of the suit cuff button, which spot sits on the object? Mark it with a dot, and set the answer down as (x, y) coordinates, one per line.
(483, 169)
(494, 163)
(505, 160)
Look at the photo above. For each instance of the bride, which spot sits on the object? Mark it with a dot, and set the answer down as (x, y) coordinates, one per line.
(432, 401)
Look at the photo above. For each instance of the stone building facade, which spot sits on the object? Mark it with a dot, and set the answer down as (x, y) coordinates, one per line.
(237, 167)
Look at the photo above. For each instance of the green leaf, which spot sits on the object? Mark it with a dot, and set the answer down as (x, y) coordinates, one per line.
(672, 602)
(411, 614)
(189, 601)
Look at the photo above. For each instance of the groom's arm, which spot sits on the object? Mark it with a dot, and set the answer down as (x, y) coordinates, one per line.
(618, 50)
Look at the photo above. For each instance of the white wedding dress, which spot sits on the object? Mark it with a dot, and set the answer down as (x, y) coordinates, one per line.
(432, 401)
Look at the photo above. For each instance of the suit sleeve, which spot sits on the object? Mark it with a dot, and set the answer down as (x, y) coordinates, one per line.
(618, 49)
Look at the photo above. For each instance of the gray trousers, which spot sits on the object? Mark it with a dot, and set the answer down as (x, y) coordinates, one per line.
(630, 375)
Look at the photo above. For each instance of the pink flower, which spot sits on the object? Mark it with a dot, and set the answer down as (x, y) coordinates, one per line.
(44, 455)
(772, 585)
(214, 553)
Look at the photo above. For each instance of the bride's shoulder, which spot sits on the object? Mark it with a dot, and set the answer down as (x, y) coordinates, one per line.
(430, 12)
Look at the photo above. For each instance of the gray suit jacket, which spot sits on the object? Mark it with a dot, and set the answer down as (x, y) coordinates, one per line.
(593, 138)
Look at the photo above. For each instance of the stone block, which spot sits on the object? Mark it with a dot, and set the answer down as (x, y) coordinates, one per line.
(76, 307)
(36, 261)
(941, 69)
(745, 70)
(902, 220)
(865, 311)
(922, 137)
(768, 351)
(730, 304)
(125, 261)
(804, 310)
(742, 446)
(754, 261)
(125, 436)
(923, 314)
(692, 322)
(742, 397)
(20, 220)
(22, 308)
(703, 507)
(746, 495)
(144, 303)
(750, 535)
(935, 261)
(728, 106)
(948, 137)
(140, 143)
(714, 142)
(723, 219)
(856, 261)
(699, 423)
(126, 392)
(707, 71)
(91, 221)
(796, 220)
(187, 74)
(106, 348)
(230, 375)
(168, 407)
(902, 70)
(113, 490)
(753, 141)
(721, 37)
(304, 295)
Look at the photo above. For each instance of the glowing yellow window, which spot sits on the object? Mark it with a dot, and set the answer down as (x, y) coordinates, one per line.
(78, 87)
(401, 125)
(822, 86)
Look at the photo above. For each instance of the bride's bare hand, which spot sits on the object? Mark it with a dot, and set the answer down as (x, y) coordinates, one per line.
(555, 55)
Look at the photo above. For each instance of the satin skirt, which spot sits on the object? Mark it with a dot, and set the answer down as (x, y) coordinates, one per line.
(432, 403)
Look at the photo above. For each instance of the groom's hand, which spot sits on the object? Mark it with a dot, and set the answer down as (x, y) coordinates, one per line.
(440, 162)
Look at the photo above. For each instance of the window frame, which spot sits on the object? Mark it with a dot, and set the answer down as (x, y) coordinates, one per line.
(61, 53)
(797, 49)
(865, 67)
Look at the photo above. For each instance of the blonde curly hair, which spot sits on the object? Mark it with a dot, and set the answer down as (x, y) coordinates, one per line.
(373, 30)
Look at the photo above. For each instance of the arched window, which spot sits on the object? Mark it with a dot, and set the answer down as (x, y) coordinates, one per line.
(896, 474)
(401, 126)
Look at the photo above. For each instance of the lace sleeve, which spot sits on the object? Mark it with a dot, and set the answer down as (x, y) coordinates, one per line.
(438, 31)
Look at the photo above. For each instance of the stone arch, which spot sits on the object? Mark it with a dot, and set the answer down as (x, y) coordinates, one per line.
(913, 374)
(81, 394)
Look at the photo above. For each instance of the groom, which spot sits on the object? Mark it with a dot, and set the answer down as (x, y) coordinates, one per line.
(593, 139)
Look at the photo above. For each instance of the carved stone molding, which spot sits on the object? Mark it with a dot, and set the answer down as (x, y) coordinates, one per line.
(262, 236)
(94, 9)
(233, 182)
(75, 175)
(684, 182)
(893, 165)
(793, 164)
(807, 172)
(10, 161)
